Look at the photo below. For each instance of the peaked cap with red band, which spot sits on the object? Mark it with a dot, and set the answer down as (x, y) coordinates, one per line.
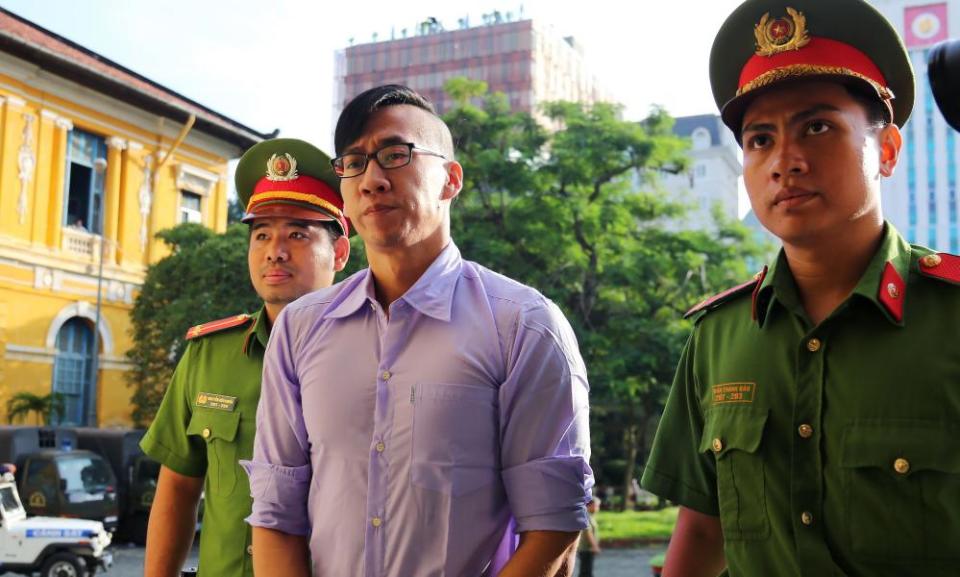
(290, 178)
(764, 43)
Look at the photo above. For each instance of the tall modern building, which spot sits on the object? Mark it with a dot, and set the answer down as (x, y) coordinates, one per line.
(711, 182)
(524, 59)
(921, 200)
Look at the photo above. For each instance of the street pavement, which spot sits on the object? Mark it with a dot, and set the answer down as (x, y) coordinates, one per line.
(624, 562)
(128, 561)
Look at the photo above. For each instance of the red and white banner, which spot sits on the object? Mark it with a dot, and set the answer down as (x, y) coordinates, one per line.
(925, 25)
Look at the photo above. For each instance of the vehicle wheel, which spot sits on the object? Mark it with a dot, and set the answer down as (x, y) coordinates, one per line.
(62, 565)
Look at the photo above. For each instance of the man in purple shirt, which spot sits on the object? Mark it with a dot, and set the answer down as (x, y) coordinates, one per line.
(411, 414)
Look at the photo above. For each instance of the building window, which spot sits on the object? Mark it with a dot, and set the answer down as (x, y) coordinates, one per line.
(86, 165)
(701, 138)
(71, 370)
(190, 207)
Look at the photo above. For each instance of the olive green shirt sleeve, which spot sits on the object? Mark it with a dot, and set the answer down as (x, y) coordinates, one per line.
(677, 470)
(167, 441)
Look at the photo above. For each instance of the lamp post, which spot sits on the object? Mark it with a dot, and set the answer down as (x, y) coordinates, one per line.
(91, 408)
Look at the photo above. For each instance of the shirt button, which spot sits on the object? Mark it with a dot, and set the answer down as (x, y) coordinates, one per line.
(380, 447)
(717, 445)
(931, 260)
(806, 518)
(813, 345)
(205, 433)
(376, 521)
(386, 375)
(901, 466)
(249, 549)
(805, 431)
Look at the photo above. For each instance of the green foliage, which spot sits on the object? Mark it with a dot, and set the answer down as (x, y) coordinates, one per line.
(204, 278)
(50, 407)
(636, 525)
(577, 214)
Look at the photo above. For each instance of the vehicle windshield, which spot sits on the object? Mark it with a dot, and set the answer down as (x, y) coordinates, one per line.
(8, 500)
(84, 474)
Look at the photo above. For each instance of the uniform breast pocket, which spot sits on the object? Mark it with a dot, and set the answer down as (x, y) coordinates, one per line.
(902, 489)
(218, 429)
(456, 434)
(734, 437)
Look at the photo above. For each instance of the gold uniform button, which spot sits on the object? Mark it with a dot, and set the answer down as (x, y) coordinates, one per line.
(380, 447)
(805, 431)
(813, 345)
(386, 375)
(717, 445)
(249, 549)
(931, 260)
(205, 433)
(901, 466)
(806, 518)
(376, 521)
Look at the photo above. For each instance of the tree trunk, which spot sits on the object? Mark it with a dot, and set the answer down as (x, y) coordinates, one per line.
(630, 455)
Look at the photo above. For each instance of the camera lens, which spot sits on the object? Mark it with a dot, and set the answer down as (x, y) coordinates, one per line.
(943, 69)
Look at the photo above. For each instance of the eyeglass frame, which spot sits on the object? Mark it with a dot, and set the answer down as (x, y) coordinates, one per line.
(367, 157)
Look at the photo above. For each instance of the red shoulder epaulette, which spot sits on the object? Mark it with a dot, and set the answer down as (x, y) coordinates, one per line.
(942, 266)
(217, 326)
(728, 294)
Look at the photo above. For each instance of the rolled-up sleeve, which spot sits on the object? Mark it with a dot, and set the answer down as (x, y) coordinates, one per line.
(280, 469)
(544, 425)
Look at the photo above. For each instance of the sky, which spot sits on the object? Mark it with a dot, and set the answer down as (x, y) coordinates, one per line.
(270, 64)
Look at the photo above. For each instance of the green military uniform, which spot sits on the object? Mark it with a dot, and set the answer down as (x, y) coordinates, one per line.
(824, 450)
(206, 423)
(828, 449)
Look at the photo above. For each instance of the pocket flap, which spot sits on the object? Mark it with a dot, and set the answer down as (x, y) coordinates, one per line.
(902, 447)
(728, 429)
(212, 424)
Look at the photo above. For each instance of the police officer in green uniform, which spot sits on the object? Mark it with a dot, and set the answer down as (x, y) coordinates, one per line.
(814, 424)
(207, 420)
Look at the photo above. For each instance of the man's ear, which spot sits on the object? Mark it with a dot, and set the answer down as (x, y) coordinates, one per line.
(341, 252)
(890, 143)
(454, 180)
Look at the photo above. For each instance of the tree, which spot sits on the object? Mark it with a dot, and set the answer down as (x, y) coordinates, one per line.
(51, 407)
(577, 214)
(204, 278)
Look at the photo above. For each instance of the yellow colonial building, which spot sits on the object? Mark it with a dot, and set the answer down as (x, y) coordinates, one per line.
(94, 160)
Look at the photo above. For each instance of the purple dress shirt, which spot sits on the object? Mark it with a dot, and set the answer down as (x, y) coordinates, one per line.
(403, 445)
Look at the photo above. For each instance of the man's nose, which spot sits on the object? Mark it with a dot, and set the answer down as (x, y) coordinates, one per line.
(789, 159)
(374, 178)
(277, 251)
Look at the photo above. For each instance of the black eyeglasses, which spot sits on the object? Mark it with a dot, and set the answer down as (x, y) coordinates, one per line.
(388, 157)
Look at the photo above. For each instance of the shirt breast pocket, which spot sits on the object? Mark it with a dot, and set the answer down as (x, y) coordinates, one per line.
(218, 429)
(901, 482)
(455, 447)
(734, 436)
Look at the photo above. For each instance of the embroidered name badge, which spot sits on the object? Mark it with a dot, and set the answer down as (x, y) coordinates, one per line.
(215, 401)
(733, 393)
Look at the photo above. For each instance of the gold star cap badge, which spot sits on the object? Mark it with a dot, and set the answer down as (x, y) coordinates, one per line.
(282, 167)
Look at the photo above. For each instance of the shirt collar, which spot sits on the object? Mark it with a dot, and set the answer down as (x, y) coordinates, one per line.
(883, 282)
(258, 334)
(432, 294)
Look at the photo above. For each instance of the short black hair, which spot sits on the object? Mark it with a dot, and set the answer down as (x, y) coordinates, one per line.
(358, 111)
(878, 113)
